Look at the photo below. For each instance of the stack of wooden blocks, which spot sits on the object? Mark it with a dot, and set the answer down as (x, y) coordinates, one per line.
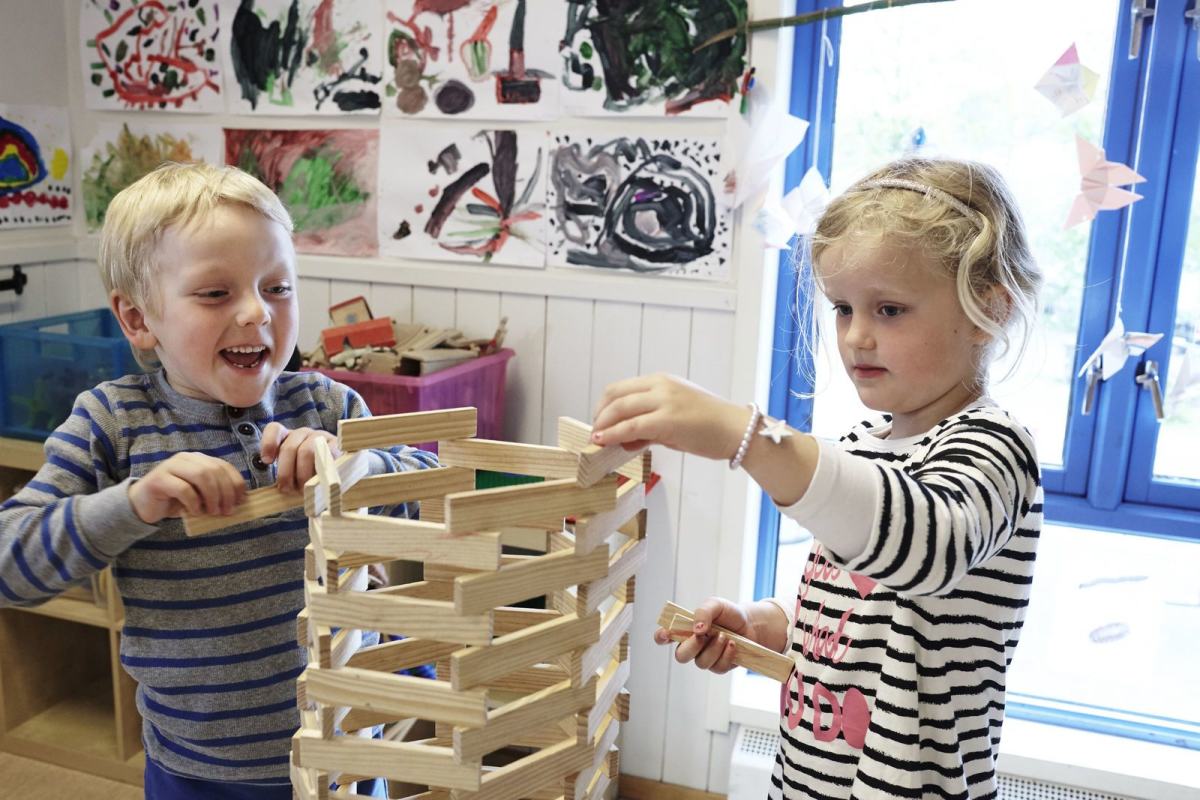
(528, 701)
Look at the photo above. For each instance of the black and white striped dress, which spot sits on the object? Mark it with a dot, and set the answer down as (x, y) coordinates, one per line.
(902, 646)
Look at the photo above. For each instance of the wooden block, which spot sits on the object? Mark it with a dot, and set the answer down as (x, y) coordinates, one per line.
(401, 695)
(478, 665)
(323, 491)
(613, 629)
(401, 654)
(528, 679)
(536, 576)
(748, 654)
(425, 590)
(523, 459)
(591, 532)
(576, 436)
(302, 628)
(527, 775)
(393, 429)
(350, 311)
(345, 642)
(624, 563)
(412, 540)
(309, 784)
(433, 509)
(401, 761)
(358, 718)
(506, 724)
(259, 503)
(636, 527)
(401, 487)
(607, 690)
(489, 509)
(424, 619)
(507, 620)
(620, 708)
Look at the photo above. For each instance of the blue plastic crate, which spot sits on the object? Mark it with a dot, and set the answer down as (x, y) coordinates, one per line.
(45, 363)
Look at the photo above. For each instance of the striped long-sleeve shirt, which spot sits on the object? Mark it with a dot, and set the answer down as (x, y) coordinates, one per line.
(902, 640)
(210, 621)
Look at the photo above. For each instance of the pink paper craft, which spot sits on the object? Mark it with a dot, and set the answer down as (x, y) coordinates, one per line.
(1098, 184)
(1068, 84)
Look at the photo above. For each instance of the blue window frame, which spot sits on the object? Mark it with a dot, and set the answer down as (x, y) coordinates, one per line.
(1152, 122)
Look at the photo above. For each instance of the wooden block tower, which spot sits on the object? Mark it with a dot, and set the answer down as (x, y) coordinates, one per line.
(528, 701)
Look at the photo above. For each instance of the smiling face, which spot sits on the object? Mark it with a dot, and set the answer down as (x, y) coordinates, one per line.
(902, 335)
(225, 323)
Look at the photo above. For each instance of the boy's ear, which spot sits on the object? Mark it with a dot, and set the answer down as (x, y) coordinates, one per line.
(133, 322)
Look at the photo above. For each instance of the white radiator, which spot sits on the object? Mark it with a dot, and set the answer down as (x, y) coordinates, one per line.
(754, 757)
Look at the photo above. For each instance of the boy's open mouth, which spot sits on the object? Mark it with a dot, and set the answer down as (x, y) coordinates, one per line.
(245, 357)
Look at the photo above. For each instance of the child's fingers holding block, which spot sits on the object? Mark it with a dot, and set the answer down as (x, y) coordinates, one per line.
(678, 621)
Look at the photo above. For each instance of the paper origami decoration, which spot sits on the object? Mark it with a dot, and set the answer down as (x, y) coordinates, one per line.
(1068, 84)
(1117, 346)
(1098, 184)
(806, 203)
(754, 149)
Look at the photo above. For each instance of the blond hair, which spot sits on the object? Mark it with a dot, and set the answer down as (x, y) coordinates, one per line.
(962, 216)
(172, 194)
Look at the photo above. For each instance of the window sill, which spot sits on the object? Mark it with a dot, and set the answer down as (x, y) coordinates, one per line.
(1037, 751)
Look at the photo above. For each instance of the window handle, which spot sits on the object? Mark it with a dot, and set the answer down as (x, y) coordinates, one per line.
(1147, 378)
(1094, 376)
(1143, 12)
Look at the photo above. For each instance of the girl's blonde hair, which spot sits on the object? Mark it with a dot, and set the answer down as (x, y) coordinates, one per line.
(963, 217)
(172, 194)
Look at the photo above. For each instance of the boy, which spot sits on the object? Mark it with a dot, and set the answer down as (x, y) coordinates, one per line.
(200, 269)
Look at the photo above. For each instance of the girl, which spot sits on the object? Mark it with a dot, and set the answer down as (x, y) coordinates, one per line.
(925, 518)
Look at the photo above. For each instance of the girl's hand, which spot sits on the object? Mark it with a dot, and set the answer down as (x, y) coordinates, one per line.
(292, 451)
(667, 410)
(714, 652)
(191, 482)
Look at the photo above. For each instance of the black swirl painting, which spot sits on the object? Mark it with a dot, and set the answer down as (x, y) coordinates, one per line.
(645, 205)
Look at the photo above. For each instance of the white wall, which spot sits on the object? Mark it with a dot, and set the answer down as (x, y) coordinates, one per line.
(573, 332)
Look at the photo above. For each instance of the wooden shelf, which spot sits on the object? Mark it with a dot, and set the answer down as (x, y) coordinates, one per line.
(80, 611)
(77, 732)
(21, 454)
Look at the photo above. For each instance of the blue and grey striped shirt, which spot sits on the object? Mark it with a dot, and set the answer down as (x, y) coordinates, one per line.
(210, 622)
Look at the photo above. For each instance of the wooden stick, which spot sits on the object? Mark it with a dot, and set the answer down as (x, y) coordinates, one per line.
(401, 654)
(401, 761)
(490, 509)
(401, 487)
(591, 531)
(323, 492)
(259, 503)
(594, 461)
(525, 776)
(401, 695)
(474, 666)
(475, 594)
(748, 654)
(425, 619)
(411, 540)
(609, 687)
(524, 459)
(623, 565)
(506, 724)
(393, 429)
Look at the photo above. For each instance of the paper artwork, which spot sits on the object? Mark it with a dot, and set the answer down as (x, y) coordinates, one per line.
(1068, 84)
(478, 60)
(1117, 347)
(120, 154)
(755, 147)
(325, 178)
(305, 57)
(475, 196)
(646, 205)
(159, 55)
(1098, 185)
(35, 167)
(642, 58)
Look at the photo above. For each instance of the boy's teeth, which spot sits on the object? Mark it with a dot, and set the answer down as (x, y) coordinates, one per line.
(246, 349)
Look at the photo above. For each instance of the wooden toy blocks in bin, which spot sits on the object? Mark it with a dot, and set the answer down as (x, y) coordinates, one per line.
(528, 702)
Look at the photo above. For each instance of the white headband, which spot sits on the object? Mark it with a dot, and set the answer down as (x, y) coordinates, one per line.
(928, 191)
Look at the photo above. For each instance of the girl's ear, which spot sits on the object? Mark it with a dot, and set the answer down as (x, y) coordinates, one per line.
(133, 321)
(997, 305)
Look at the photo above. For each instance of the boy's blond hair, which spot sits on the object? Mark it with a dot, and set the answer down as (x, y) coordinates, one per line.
(172, 194)
(984, 249)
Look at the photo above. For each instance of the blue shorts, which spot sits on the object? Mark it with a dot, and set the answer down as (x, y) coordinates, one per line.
(163, 785)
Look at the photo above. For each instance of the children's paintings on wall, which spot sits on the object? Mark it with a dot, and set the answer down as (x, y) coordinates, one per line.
(642, 58)
(120, 154)
(482, 60)
(305, 57)
(647, 205)
(325, 178)
(474, 196)
(35, 166)
(162, 55)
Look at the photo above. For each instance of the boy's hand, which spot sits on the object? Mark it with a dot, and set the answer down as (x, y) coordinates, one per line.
(667, 410)
(709, 651)
(291, 450)
(191, 482)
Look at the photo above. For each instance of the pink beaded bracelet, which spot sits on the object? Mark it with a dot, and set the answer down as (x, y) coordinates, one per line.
(755, 417)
